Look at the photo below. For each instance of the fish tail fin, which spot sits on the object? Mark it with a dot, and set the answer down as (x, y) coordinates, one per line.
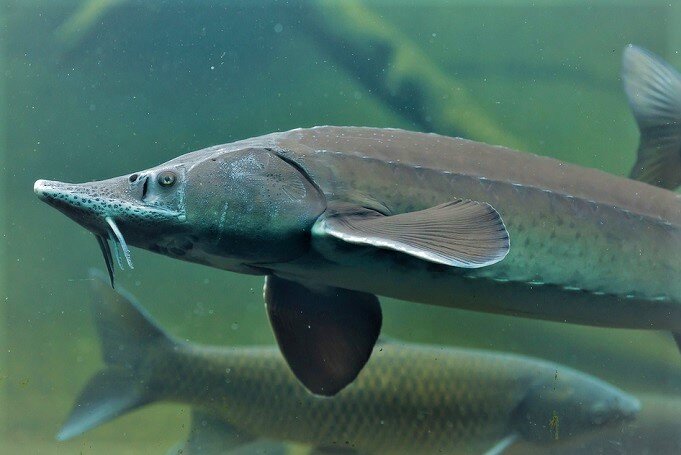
(653, 88)
(129, 339)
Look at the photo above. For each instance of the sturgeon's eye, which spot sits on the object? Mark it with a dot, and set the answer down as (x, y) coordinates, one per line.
(166, 178)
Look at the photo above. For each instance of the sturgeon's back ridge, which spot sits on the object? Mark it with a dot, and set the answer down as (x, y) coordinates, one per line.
(570, 227)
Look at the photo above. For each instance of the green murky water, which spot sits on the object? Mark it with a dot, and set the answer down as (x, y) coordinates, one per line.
(96, 89)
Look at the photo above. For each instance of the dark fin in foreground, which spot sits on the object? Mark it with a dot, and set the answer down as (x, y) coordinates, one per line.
(460, 233)
(108, 259)
(325, 334)
(654, 92)
(211, 435)
(127, 335)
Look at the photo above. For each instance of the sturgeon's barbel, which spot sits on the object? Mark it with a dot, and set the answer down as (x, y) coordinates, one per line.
(410, 398)
(335, 216)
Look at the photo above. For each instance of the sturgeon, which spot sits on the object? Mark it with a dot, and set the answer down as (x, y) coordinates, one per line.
(335, 216)
(410, 398)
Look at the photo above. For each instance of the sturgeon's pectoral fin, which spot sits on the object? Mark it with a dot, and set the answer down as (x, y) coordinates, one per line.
(108, 259)
(501, 446)
(325, 334)
(654, 92)
(460, 233)
(211, 435)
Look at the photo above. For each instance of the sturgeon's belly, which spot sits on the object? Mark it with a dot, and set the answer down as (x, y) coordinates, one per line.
(388, 274)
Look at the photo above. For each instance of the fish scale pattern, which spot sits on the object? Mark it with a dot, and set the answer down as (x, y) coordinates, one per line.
(408, 399)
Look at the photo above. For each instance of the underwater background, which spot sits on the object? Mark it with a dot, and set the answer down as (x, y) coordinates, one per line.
(94, 89)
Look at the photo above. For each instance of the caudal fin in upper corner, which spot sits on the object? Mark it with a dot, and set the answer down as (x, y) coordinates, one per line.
(127, 335)
(653, 88)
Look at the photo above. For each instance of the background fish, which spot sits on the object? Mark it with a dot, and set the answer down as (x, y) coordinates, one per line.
(655, 431)
(414, 398)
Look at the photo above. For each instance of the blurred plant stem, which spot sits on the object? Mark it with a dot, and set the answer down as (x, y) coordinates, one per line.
(384, 61)
(79, 25)
(394, 69)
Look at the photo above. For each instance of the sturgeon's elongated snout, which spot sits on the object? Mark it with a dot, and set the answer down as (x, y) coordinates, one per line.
(46, 190)
(71, 199)
(75, 201)
(127, 200)
(88, 204)
(113, 210)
